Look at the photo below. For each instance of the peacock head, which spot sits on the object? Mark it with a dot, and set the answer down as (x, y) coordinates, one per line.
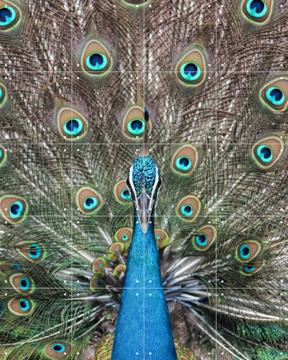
(144, 182)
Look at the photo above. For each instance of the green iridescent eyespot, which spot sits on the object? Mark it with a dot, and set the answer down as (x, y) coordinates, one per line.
(204, 238)
(184, 160)
(13, 208)
(88, 201)
(257, 12)
(248, 251)
(191, 68)
(96, 59)
(10, 15)
(274, 95)
(188, 208)
(267, 152)
(134, 124)
(71, 124)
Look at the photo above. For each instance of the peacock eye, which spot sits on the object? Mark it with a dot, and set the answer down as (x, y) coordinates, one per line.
(3, 156)
(73, 127)
(252, 268)
(204, 238)
(16, 210)
(264, 153)
(184, 160)
(191, 69)
(21, 306)
(121, 193)
(190, 72)
(96, 59)
(123, 236)
(248, 251)
(71, 124)
(188, 208)
(58, 350)
(34, 251)
(134, 124)
(31, 251)
(136, 127)
(162, 238)
(3, 94)
(99, 265)
(22, 283)
(257, 11)
(13, 208)
(274, 95)
(267, 152)
(88, 201)
(9, 15)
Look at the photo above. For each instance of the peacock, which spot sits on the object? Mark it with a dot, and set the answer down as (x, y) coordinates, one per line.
(143, 179)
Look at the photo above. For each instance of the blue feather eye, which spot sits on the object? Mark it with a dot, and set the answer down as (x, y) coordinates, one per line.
(33, 252)
(204, 238)
(188, 208)
(251, 268)
(244, 252)
(3, 156)
(134, 124)
(264, 153)
(256, 8)
(190, 72)
(183, 163)
(25, 284)
(136, 127)
(16, 210)
(96, 59)
(184, 160)
(89, 201)
(22, 283)
(3, 94)
(71, 124)
(21, 306)
(121, 193)
(73, 127)
(162, 238)
(24, 305)
(123, 236)
(9, 15)
(58, 350)
(257, 11)
(248, 251)
(13, 208)
(274, 95)
(267, 152)
(125, 195)
(201, 240)
(191, 69)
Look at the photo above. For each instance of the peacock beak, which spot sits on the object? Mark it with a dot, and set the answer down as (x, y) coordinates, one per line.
(144, 206)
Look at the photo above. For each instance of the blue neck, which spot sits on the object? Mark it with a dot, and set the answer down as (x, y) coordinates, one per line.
(143, 328)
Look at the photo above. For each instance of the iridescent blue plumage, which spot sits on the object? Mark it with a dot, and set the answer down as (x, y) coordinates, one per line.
(143, 317)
